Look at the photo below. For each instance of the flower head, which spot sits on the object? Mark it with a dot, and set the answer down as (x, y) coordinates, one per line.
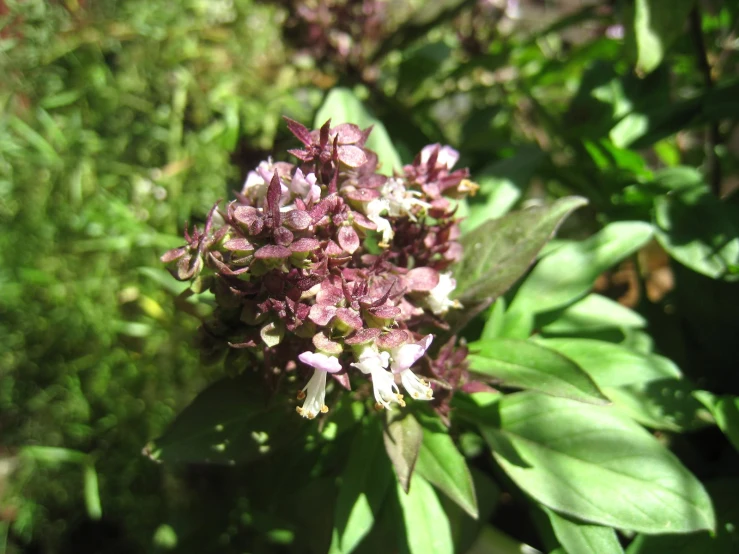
(383, 382)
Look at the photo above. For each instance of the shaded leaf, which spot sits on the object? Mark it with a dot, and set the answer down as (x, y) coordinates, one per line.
(498, 253)
(583, 538)
(656, 28)
(592, 313)
(364, 484)
(228, 422)
(402, 438)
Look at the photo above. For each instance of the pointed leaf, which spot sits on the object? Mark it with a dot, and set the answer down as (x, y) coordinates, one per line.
(593, 464)
(528, 365)
(498, 252)
(426, 525)
(583, 538)
(440, 463)
(569, 272)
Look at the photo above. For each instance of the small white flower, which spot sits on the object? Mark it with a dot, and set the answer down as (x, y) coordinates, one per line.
(438, 300)
(403, 358)
(305, 186)
(419, 389)
(375, 363)
(315, 391)
(400, 201)
(374, 209)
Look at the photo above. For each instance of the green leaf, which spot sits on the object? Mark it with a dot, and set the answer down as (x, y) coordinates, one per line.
(402, 437)
(527, 365)
(427, 527)
(592, 313)
(725, 410)
(228, 422)
(591, 463)
(364, 484)
(568, 273)
(700, 232)
(498, 252)
(440, 463)
(583, 538)
(646, 387)
(725, 496)
(466, 529)
(342, 106)
(656, 26)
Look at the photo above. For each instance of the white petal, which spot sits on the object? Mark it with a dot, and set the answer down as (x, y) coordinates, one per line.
(417, 388)
(315, 394)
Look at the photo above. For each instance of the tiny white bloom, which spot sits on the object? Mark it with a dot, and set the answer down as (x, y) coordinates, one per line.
(374, 209)
(400, 201)
(375, 363)
(446, 156)
(403, 358)
(438, 300)
(419, 389)
(315, 391)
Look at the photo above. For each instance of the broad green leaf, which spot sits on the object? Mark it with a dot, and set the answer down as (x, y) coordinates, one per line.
(646, 387)
(656, 26)
(426, 525)
(364, 484)
(568, 273)
(498, 252)
(228, 422)
(583, 538)
(701, 232)
(591, 463)
(592, 313)
(501, 185)
(440, 463)
(725, 410)
(611, 365)
(725, 496)
(402, 437)
(528, 365)
(342, 106)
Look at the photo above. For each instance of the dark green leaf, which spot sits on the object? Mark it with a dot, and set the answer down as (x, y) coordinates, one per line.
(591, 463)
(499, 252)
(700, 232)
(228, 422)
(568, 273)
(440, 463)
(402, 437)
(725, 410)
(527, 365)
(364, 484)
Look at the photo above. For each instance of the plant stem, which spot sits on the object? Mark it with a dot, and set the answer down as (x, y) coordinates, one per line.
(713, 164)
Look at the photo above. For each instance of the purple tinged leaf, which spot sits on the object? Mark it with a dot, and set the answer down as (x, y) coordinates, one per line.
(352, 156)
(300, 131)
(348, 239)
(174, 254)
(321, 314)
(385, 312)
(348, 133)
(422, 279)
(362, 195)
(274, 192)
(323, 343)
(324, 134)
(343, 379)
(363, 336)
(350, 318)
(272, 252)
(250, 217)
(393, 339)
(305, 245)
(283, 236)
(297, 219)
(238, 245)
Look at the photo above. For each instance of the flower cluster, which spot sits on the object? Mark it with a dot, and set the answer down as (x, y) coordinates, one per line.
(331, 267)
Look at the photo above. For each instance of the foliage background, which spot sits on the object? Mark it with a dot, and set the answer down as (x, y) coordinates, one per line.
(123, 120)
